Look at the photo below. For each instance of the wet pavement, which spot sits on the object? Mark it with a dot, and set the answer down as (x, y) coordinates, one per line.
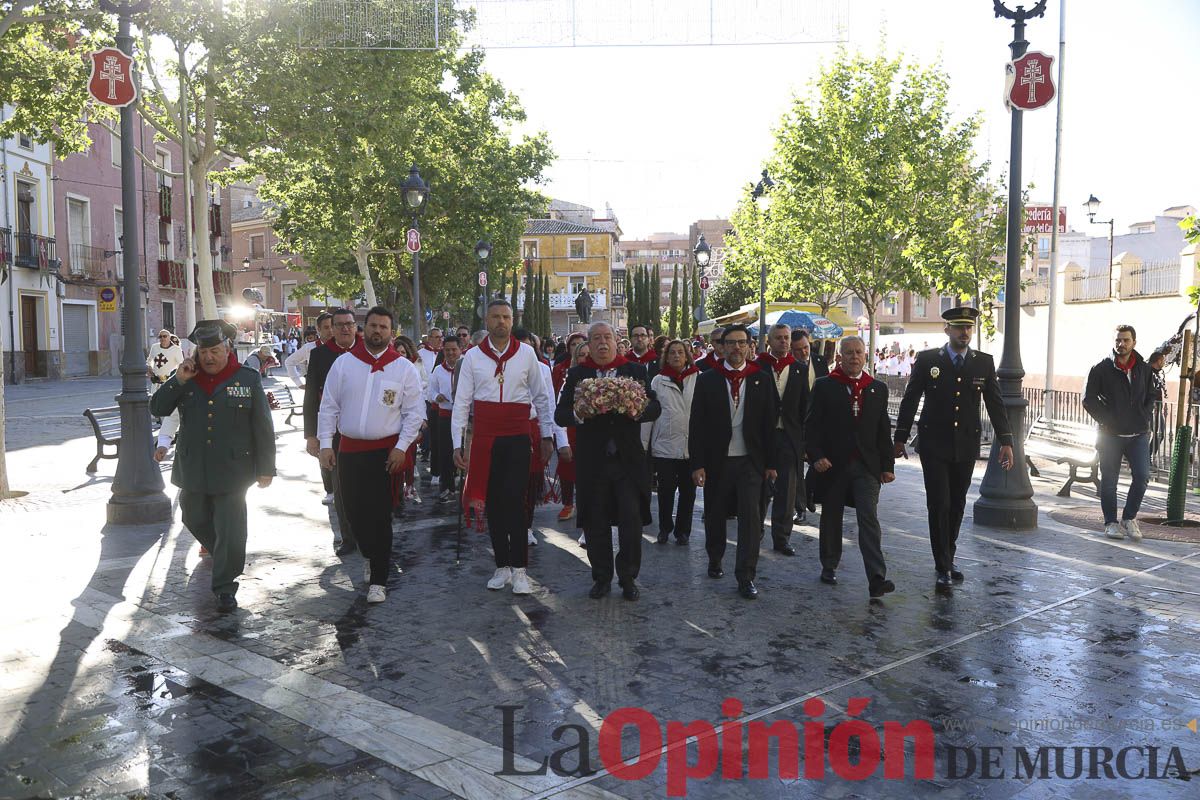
(119, 679)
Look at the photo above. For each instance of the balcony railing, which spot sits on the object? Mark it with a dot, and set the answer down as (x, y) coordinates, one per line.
(87, 263)
(164, 202)
(172, 274)
(564, 301)
(5, 246)
(222, 282)
(1150, 280)
(1087, 288)
(214, 220)
(34, 251)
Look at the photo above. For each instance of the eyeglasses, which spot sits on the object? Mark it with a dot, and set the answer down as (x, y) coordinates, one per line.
(349, 324)
(736, 342)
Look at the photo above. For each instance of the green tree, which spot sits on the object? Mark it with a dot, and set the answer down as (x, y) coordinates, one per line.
(685, 322)
(656, 312)
(870, 172)
(673, 314)
(728, 295)
(547, 317)
(516, 285)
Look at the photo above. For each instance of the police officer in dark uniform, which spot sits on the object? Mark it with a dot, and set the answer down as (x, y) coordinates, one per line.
(226, 442)
(952, 379)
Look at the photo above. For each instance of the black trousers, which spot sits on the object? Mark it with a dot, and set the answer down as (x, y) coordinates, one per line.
(946, 485)
(674, 474)
(366, 490)
(327, 480)
(617, 491)
(429, 440)
(443, 453)
(865, 489)
(345, 531)
(738, 487)
(782, 493)
(505, 504)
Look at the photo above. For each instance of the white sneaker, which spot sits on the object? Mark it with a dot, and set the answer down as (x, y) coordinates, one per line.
(1133, 529)
(416, 498)
(532, 540)
(520, 581)
(366, 572)
(583, 540)
(328, 501)
(501, 578)
(1113, 531)
(376, 593)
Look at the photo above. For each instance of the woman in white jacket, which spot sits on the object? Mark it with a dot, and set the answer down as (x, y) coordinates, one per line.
(674, 385)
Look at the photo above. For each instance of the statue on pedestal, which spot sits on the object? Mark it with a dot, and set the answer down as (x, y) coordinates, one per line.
(583, 306)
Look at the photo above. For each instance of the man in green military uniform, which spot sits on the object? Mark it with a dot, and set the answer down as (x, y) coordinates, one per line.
(226, 442)
(952, 379)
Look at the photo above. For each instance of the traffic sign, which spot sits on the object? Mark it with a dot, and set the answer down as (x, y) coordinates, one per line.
(704, 283)
(1029, 83)
(482, 278)
(108, 299)
(412, 242)
(429, 315)
(111, 81)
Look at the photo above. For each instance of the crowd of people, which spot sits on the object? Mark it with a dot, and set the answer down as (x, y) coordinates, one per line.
(610, 422)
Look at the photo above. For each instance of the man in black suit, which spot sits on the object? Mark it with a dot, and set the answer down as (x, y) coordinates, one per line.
(813, 366)
(731, 444)
(850, 445)
(612, 483)
(791, 405)
(345, 333)
(952, 379)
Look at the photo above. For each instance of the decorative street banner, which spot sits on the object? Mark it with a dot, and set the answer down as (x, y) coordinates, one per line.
(412, 242)
(108, 299)
(111, 81)
(1029, 83)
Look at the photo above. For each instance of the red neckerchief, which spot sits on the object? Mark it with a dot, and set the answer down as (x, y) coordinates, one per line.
(1129, 362)
(425, 346)
(712, 359)
(778, 364)
(735, 378)
(337, 348)
(616, 362)
(489, 351)
(677, 376)
(209, 383)
(646, 357)
(377, 363)
(856, 386)
(447, 367)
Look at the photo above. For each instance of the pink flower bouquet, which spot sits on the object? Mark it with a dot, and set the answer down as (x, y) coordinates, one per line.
(595, 396)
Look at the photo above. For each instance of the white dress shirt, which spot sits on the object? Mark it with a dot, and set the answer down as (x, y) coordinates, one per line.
(441, 382)
(737, 414)
(369, 405)
(523, 383)
(428, 358)
(297, 363)
(560, 434)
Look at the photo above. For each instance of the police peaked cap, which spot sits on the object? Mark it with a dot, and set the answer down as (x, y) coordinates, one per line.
(211, 332)
(963, 315)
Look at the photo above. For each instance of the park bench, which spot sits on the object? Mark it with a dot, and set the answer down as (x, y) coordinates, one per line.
(280, 398)
(106, 425)
(1063, 442)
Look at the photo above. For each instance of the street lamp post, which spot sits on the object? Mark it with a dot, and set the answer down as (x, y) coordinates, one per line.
(703, 255)
(1093, 205)
(483, 251)
(1005, 495)
(416, 193)
(762, 197)
(137, 487)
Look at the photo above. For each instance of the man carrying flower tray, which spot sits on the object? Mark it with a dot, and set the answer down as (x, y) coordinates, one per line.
(607, 398)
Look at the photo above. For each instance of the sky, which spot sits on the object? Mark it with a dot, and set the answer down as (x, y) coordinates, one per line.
(668, 135)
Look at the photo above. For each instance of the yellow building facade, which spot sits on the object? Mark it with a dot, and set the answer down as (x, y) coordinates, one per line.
(576, 256)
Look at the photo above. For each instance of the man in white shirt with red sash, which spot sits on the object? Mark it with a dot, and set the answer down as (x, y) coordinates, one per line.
(441, 395)
(372, 398)
(429, 351)
(498, 383)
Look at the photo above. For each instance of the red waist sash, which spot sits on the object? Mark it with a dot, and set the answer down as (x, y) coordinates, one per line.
(349, 444)
(491, 420)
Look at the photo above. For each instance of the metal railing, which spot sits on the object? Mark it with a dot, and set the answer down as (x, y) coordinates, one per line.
(164, 202)
(85, 261)
(1037, 292)
(5, 246)
(34, 251)
(1151, 280)
(1087, 288)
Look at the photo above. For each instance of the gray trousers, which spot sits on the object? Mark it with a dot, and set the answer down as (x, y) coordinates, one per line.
(864, 487)
(782, 493)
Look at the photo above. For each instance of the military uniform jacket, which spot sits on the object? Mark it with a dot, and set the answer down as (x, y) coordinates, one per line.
(950, 424)
(226, 441)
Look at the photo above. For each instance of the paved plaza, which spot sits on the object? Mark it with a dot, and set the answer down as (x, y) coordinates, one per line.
(120, 680)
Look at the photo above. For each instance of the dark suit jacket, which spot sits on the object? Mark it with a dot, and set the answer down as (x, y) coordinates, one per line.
(950, 424)
(819, 364)
(591, 442)
(832, 433)
(319, 362)
(711, 425)
(792, 408)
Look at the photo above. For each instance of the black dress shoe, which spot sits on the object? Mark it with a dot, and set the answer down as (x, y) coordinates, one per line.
(828, 576)
(800, 518)
(663, 538)
(346, 548)
(599, 589)
(226, 603)
(786, 550)
(748, 590)
(812, 506)
(630, 591)
(879, 587)
(682, 540)
(715, 571)
(955, 574)
(943, 579)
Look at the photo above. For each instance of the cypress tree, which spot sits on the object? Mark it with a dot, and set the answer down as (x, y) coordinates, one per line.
(656, 315)
(685, 323)
(673, 316)
(549, 318)
(516, 284)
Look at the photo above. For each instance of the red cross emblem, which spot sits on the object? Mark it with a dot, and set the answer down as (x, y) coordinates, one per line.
(111, 81)
(1030, 82)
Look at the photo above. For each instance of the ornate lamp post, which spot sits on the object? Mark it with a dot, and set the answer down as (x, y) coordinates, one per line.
(702, 253)
(1006, 496)
(762, 197)
(415, 193)
(1093, 206)
(483, 251)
